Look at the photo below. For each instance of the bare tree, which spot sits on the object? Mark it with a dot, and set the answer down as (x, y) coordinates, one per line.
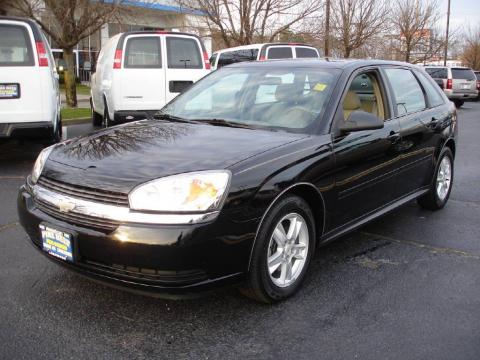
(413, 21)
(357, 21)
(241, 22)
(68, 22)
(471, 49)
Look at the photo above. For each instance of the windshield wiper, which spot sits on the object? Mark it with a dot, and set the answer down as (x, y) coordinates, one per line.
(222, 122)
(164, 116)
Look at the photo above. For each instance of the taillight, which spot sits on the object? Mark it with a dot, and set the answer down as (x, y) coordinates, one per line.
(117, 60)
(262, 58)
(207, 61)
(478, 85)
(42, 54)
(449, 84)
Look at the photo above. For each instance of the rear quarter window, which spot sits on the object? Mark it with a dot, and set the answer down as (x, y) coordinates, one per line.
(437, 73)
(431, 89)
(279, 52)
(15, 46)
(304, 52)
(183, 53)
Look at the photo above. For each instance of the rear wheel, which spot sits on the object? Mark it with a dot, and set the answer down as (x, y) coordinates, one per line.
(282, 252)
(56, 132)
(458, 103)
(439, 192)
(96, 117)
(106, 117)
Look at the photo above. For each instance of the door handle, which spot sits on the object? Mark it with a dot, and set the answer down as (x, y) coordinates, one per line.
(393, 136)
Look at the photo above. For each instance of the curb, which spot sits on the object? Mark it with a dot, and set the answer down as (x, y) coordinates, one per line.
(78, 121)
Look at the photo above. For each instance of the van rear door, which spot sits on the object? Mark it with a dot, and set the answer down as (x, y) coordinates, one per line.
(20, 83)
(142, 75)
(186, 63)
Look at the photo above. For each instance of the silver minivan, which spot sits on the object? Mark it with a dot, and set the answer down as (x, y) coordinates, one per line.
(458, 83)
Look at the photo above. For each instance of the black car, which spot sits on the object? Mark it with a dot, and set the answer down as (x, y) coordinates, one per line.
(243, 176)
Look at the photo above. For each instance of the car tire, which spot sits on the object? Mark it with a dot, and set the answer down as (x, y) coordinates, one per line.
(439, 192)
(459, 103)
(266, 283)
(97, 119)
(106, 117)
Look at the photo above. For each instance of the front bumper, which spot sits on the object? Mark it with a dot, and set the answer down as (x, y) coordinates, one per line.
(170, 260)
(26, 129)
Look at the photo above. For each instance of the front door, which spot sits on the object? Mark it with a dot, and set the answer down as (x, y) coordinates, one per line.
(366, 161)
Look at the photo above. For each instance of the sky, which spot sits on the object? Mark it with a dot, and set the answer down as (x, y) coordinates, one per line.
(462, 13)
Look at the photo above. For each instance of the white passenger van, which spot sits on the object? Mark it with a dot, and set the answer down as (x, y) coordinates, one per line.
(139, 72)
(29, 92)
(261, 52)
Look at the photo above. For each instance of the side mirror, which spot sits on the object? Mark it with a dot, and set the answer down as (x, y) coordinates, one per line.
(361, 120)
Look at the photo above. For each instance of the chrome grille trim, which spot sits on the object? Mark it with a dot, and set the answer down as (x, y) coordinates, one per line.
(73, 206)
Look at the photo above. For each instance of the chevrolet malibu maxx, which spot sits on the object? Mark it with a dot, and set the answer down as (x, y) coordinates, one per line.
(240, 178)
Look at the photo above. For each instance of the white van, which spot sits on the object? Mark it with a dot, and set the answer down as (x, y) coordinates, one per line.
(261, 52)
(29, 93)
(138, 72)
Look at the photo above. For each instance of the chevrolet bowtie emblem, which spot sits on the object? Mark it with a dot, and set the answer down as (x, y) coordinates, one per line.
(65, 206)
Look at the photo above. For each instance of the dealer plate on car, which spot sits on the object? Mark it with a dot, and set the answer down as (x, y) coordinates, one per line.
(9, 91)
(57, 243)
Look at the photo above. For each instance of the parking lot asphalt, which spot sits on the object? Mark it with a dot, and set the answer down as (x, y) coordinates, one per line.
(403, 287)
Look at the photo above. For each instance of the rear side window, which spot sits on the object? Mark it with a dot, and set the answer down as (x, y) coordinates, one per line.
(303, 52)
(143, 53)
(212, 59)
(225, 58)
(280, 52)
(464, 74)
(432, 90)
(245, 55)
(15, 46)
(437, 73)
(407, 91)
(183, 53)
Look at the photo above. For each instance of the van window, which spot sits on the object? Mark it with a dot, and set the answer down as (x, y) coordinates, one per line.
(304, 52)
(212, 59)
(465, 74)
(183, 53)
(15, 46)
(143, 52)
(245, 55)
(407, 91)
(279, 52)
(437, 73)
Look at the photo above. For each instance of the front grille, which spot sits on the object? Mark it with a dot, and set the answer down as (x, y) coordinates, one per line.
(146, 275)
(77, 219)
(85, 193)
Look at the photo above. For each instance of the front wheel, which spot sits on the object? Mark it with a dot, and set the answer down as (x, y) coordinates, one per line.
(439, 192)
(282, 252)
(458, 103)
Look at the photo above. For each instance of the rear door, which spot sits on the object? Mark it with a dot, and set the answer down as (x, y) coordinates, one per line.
(142, 74)
(463, 80)
(184, 63)
(20, 81)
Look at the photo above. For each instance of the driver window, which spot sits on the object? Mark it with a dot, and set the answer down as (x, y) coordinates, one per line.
(364, 94)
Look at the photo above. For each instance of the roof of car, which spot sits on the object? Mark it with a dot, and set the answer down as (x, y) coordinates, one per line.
(323, 62)
(259, 45)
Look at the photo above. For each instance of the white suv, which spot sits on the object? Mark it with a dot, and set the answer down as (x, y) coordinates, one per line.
(29, 93)
(139, 72)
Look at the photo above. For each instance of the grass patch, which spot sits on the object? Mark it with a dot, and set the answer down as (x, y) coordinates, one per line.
(81, 89)
(75, 113)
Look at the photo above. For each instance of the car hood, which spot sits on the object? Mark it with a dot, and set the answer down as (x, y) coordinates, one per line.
(122, 157)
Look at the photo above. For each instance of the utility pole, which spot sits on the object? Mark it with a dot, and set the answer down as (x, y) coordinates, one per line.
(327, 28)
(445, 54)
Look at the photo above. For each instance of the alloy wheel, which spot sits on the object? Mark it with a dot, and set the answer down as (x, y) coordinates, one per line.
(444, 178)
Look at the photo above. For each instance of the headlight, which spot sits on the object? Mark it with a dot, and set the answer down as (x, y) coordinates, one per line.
(40, 162)
(199, 191)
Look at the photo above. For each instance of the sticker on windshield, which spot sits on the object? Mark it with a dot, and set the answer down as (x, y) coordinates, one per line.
(319, 87)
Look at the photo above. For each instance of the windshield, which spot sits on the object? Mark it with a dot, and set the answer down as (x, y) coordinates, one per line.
(290, 99)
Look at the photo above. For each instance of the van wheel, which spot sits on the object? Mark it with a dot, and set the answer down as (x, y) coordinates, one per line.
(106, 117)
(458, 103)
(56, 132)
(96, 117)
(282, 252)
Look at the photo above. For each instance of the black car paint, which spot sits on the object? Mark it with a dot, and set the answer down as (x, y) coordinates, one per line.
(346, 178)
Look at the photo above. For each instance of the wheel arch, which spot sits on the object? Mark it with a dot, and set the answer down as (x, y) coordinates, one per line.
(311, 195)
